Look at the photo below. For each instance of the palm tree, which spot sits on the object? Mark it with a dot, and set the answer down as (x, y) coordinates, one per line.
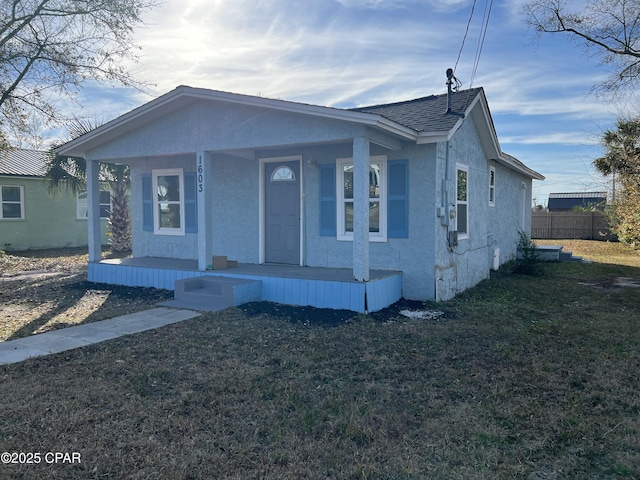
(71, 172)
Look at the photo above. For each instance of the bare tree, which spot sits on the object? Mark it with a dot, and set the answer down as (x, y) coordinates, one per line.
(49, 48)
(608, 29)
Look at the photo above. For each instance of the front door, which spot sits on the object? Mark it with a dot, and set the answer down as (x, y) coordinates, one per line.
(282, 212)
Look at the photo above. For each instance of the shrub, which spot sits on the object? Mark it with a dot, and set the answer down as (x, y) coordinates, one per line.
(528, 261)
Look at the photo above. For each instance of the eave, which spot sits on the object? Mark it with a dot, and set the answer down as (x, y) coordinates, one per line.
(184, 95)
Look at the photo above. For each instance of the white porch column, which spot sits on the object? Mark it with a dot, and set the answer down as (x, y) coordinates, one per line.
(361, 208)
(93, 211)
(204, 198)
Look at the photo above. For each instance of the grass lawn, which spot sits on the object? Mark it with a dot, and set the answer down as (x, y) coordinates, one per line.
(521, 377)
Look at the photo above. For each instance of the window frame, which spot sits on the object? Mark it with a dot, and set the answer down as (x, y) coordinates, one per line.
(342, 234)
(465, 169)
(492, 186)
(157, 228)
(12, 202)
(82, 204)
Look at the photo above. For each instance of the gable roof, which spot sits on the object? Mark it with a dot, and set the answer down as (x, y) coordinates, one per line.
(422, 120)
(23, 163)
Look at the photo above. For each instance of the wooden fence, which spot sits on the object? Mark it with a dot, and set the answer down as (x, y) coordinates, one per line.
(571, 225)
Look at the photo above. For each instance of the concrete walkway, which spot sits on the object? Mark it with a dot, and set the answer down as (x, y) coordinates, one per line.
(14, 351)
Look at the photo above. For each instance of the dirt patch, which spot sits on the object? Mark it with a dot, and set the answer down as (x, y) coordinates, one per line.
(30, 276)
(48, 290)
(613, 283)
(626, 282)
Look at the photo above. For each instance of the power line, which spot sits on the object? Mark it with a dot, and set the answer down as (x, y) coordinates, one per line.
(473, 7)
(483, 32)
(481, 39)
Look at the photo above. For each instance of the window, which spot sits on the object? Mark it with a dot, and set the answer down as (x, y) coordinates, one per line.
(377, 199)
(12, 199)
(283, 174)
(168, 202)
(492, 186)
(105, 204)
(462, 193)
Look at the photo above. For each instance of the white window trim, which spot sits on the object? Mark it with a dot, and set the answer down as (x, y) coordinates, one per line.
(343, 235)
(2, 202)
(82, 204)
(492, 186)
(157, 229)
(465, 168)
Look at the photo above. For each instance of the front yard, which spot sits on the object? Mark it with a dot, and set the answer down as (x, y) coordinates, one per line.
(520, 377)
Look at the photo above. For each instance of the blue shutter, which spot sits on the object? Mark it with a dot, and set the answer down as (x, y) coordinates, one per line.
(190, 205)
(398, 199)
(327, 200)
(147, 203)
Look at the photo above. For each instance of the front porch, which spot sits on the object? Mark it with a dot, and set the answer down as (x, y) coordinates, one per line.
(291, 285)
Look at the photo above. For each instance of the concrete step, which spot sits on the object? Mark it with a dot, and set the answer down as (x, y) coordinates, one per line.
(569, 257)
(213, 293)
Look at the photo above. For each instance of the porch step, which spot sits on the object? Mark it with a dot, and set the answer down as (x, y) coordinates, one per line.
(213, 293)
(568, 257)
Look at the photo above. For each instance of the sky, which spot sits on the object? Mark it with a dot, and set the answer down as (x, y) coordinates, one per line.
(349, 53)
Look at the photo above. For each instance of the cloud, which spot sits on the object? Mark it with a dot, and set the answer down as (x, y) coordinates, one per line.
(563, 138)
(441, 5)
(314, 52)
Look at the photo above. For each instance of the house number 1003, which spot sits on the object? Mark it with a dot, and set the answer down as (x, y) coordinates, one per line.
(200, 175)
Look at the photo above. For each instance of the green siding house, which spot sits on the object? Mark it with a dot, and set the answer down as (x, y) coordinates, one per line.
(30, 218)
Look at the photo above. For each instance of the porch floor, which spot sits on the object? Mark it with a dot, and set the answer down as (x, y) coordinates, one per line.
(268, 269)
(287, 284)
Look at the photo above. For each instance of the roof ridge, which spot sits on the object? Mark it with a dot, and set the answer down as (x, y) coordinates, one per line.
(416, 100)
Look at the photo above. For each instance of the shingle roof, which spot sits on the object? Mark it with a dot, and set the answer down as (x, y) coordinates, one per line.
(21, 162)
(426, 114)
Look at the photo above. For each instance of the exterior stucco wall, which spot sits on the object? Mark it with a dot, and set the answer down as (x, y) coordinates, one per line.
(505, 219)
(49, 222)
(490, 227)
(236, 209)
(463, 266)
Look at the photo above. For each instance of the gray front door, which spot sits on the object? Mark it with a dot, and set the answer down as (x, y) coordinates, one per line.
(282, 212)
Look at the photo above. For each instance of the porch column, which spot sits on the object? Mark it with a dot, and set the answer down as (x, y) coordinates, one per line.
(94, 237)
(361, 209)
(204, 198)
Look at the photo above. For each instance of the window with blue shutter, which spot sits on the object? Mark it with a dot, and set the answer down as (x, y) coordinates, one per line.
(147, 203)
(398, 199)
(327, 200)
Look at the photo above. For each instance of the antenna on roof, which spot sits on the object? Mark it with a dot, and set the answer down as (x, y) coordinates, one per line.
(453, 85)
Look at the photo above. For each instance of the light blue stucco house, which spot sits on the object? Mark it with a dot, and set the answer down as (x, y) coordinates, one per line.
(322, 206)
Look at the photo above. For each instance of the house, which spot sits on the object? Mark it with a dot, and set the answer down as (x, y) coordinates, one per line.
(30, 218)
(321, 206)
(566, 202)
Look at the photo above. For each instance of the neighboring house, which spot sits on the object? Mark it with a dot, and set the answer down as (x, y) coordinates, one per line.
(364, 206)
(30, 218)
(566, 202)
